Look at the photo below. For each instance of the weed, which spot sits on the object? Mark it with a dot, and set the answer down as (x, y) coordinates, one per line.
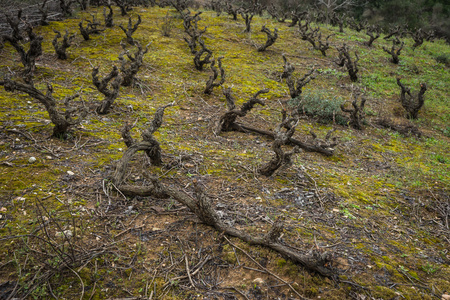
(429, 268)
(348, 214)
(403, 269)
(446, 131)
(166, 25)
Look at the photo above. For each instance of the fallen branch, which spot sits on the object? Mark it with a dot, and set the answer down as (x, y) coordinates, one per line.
(265, 269)
(323, 147)
(404, 129)
(201, 205)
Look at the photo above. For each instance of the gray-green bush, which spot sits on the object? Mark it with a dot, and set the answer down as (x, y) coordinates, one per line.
(326, 108)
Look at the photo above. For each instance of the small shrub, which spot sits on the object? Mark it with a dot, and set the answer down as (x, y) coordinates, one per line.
(429, 268)
(325, 108)
(167, 25)
(443, 59)
(410, 68)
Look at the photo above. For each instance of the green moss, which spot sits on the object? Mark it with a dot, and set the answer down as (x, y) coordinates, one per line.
(383, 292)
(281, 263)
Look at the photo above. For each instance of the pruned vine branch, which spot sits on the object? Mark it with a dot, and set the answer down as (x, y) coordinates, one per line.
(271, 38)
(210, 84)
(357, 113)
(91, 28)
(204, 52)
(149, 144)
(412, 103)
(62, 120)
(109, 18)
(124, 6)
(295, 86)
(130, 67)
(346, 60)
(227, 121)
(374, 33)
(394, 52)
(60, 48)
(102, 87)
(131, 29)
(28, 58)
(283, 133)
(247, 15)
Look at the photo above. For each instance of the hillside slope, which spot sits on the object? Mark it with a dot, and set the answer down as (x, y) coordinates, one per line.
(380, 205)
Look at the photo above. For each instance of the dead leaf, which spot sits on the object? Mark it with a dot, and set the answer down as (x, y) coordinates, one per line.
(157, 209)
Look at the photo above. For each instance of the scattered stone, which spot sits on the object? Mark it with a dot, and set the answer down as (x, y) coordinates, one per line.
(3, 209)
(32, 160)
(48, 157)
(129, 210)
(70, 173)
(258, 281)
(65, 233)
